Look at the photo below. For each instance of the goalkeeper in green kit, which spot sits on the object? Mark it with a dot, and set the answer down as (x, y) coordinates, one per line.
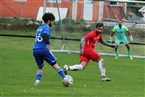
(120, 31)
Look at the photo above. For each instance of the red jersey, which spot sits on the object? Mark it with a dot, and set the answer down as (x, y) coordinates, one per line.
(91, 39)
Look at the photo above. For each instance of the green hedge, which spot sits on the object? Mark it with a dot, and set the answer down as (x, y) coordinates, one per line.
(67, 25)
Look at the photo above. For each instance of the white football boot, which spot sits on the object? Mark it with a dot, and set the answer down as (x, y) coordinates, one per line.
(106, 78)
(65, 68)
(37, 82)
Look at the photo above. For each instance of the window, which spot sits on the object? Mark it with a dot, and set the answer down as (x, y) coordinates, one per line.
(54, 1)
(20, 0)
(113, 3)
(88, 1)
(131, 4)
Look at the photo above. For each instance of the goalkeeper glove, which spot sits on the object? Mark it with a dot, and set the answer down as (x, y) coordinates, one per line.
(131, 38)
(110, 40)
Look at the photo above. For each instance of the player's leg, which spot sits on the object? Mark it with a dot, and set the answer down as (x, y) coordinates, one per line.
(117, 42)
(38, 76)
(83, 64)
(126, 43)
(50, 58)
(76, 67)
(116, 51)
(128, 51)
(102, 67)
(103, 70)
(97, 58)
(61, 72)
(39, 61)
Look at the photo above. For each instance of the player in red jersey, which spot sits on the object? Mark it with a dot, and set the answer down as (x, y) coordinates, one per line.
(87, 53)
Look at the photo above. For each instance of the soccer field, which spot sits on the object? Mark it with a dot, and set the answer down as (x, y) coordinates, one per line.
(17, 74)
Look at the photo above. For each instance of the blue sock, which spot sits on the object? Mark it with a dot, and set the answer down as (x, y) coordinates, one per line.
(38, 75)
(61, 72)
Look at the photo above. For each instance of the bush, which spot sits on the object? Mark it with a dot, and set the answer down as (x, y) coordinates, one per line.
(18, 24)
(66, 25)
(69, 25)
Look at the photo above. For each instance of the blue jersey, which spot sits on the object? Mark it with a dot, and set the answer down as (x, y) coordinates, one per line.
(40, 51)
(39, 41)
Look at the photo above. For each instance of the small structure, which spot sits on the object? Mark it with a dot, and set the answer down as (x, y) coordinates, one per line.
(142, 10)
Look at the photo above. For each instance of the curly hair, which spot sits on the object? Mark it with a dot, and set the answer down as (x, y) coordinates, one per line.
(48, 16)
(99, 25)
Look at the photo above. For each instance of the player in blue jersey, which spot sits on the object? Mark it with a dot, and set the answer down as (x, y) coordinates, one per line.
(41, 49)
(120, 31)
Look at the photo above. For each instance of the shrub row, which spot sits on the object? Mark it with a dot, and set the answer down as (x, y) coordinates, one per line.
(66, 25)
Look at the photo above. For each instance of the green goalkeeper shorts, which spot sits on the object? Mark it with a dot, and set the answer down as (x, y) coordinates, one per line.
(119, 41)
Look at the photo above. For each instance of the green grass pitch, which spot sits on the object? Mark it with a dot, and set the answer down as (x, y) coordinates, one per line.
(17, 74)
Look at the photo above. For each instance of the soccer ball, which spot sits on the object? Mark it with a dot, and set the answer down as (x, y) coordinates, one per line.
(68, 81)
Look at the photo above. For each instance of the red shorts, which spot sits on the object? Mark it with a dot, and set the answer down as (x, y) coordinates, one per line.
(89, 54)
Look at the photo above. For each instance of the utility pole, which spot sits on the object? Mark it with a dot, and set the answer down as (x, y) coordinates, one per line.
(74, 9)
(44, 7)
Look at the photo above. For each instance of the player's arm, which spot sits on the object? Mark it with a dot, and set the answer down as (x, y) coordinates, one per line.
(107, 43)
(82, 44)
(85, 38)
(127, 30)
(45, 38)
(112, 33)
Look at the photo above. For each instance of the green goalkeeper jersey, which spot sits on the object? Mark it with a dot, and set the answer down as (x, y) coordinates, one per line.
(120, 32)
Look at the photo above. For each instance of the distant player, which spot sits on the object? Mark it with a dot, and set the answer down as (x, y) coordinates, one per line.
(120, 31)
(41, 49)
(88, 43)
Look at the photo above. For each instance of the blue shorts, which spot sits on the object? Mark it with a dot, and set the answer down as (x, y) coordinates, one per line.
(42, 54)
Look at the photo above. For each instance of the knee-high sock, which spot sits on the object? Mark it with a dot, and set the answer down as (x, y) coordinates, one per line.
(76, 67)
(116, 52)
(38, 75)
(102, 67)
(128, 52)
(61, 72)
